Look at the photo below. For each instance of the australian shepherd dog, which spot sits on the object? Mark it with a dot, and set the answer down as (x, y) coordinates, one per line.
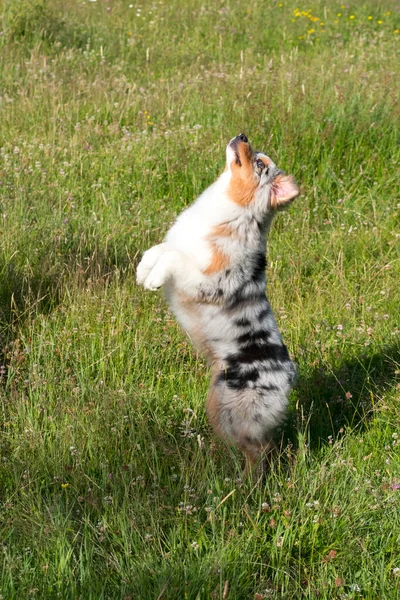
(212, 269)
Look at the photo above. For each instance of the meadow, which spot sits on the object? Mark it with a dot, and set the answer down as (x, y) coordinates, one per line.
(114, 116)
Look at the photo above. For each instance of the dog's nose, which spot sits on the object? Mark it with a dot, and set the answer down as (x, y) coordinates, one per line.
(242, 137)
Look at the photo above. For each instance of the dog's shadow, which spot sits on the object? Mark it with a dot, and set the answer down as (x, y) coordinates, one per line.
(37, 285)
(329, 400)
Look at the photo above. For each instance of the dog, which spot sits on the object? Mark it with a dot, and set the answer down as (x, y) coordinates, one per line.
(212, 268)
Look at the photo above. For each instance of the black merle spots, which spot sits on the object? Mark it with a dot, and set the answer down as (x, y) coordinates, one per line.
(268, 387)
(220, 292)
(243, 297)
(235, 299)
(240, 373)
(263, 313)
(242, 322)
(259, 265)
(256, 352)
(227, 272)
(250, 337)
(236, 379)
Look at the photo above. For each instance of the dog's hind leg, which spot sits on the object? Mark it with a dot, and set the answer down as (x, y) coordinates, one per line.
(258, 458)
(213, 403)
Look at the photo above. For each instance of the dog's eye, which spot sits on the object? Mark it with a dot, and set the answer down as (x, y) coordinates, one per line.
(260, 164)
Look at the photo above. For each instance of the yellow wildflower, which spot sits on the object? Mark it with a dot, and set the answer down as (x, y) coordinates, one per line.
(380, 22)
(352, 17)
(369, 18)
(64, 485)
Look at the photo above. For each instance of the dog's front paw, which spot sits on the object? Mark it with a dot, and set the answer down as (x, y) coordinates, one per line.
(149, 259)
(142, 271)
(156, 279)
(162, 271)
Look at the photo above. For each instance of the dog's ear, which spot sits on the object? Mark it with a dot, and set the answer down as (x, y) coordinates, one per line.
(284, 190)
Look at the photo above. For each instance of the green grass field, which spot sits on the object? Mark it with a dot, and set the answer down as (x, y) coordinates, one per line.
(114, 116)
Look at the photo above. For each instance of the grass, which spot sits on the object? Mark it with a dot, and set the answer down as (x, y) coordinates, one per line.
(113, 117)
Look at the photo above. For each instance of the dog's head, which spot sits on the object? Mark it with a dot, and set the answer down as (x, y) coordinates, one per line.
(255, 180)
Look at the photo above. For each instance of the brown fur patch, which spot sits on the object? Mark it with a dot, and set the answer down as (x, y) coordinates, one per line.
(223, 230)
(242, 187)
(265, 160)
(219, 261)
(243, 184)
(246, 153)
